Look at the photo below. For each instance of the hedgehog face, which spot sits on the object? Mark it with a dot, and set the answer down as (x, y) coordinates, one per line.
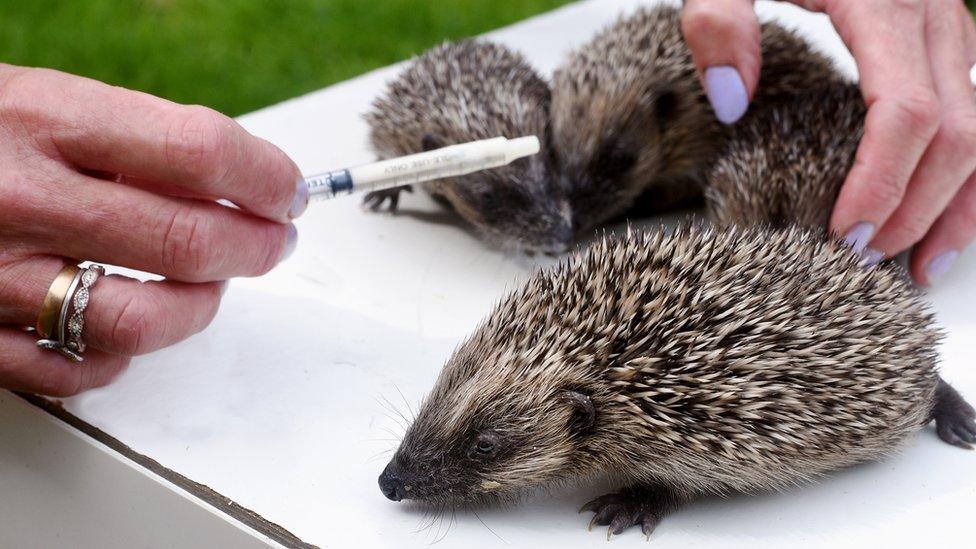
(519, 206)
(530, 216)
(608, 144)
(473, 444)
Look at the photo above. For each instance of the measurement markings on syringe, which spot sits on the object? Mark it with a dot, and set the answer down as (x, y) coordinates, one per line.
(453, 161)
(438, 167)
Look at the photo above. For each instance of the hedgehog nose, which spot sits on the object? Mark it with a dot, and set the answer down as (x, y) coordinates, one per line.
(391, 485)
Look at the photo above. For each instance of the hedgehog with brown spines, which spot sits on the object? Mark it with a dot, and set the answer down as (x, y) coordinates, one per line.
(630, 119)
(700, 361)
(785, 165)
(466, 91)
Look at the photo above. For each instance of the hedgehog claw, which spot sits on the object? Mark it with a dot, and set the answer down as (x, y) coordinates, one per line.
(620, 511)
(649, 524)
(598, 503)
(955, 434)
(375, 200)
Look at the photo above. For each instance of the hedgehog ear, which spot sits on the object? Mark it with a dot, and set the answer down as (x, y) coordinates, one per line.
(430, 142)
(584, 413)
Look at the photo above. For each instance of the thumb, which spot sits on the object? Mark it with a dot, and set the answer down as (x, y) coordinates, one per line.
(723, 36)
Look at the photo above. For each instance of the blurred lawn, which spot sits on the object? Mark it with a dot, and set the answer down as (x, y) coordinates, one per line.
(238, 55)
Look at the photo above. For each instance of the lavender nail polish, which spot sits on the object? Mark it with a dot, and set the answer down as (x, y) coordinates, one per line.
(859, 236)
(872, 257)
(291, 241)
(300, 202)
(939, 266)
(726, 92)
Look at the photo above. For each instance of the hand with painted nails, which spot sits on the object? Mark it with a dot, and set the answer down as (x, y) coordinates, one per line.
(90, 172)
(913, 181)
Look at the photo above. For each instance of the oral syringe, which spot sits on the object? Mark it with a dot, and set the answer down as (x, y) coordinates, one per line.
(449, 161)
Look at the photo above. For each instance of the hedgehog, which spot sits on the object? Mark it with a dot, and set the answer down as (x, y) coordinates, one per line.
(785, 165)
(465, 91)
(700, 361)
(631, 124)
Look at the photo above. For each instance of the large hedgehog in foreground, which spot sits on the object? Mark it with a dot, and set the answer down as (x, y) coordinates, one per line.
(702, 361)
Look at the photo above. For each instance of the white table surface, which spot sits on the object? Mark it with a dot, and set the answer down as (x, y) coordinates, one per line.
(279, 405)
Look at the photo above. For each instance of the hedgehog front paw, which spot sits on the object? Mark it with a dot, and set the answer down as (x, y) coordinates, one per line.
(374, 200)
(625, 509)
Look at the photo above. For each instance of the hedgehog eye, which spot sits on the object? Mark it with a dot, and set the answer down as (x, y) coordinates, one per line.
(484, 446)
(615, 160)
(622, 159)
(430, 142)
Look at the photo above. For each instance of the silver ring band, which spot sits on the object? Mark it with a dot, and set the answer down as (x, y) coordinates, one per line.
(80, 300)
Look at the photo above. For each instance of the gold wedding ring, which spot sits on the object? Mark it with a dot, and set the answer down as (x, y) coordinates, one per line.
(48, 319)
(62, 318)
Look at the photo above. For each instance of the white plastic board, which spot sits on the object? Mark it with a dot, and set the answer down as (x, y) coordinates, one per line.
(59, 488)
(278, 405)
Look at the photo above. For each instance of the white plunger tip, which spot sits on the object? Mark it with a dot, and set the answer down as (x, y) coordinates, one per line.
(522, 147)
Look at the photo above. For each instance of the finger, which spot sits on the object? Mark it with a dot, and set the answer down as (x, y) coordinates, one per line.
(26, 367)
(186, 240)
(888, 42)
(206, 154)
(955, 229)
(723, 36)
(124, 316)
(951, 157)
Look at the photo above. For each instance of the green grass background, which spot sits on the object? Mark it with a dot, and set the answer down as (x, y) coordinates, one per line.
(238, 55)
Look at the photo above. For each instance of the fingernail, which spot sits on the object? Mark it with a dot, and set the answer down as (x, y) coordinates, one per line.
(300, 202)
(872, 256)
(940, 265)
(291, 241)
(859, 236)
(726, 92)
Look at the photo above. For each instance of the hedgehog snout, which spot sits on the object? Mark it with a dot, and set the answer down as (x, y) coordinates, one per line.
(555, 234)
(561, 239)
(393, 483)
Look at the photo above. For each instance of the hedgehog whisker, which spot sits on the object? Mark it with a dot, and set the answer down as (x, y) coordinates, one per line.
(396, 436)
(422, 525)
(438, 537)
(395, 422)
(413, 414)
(393, 415)
(396, 410)
(374, 457)
(483, 523)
